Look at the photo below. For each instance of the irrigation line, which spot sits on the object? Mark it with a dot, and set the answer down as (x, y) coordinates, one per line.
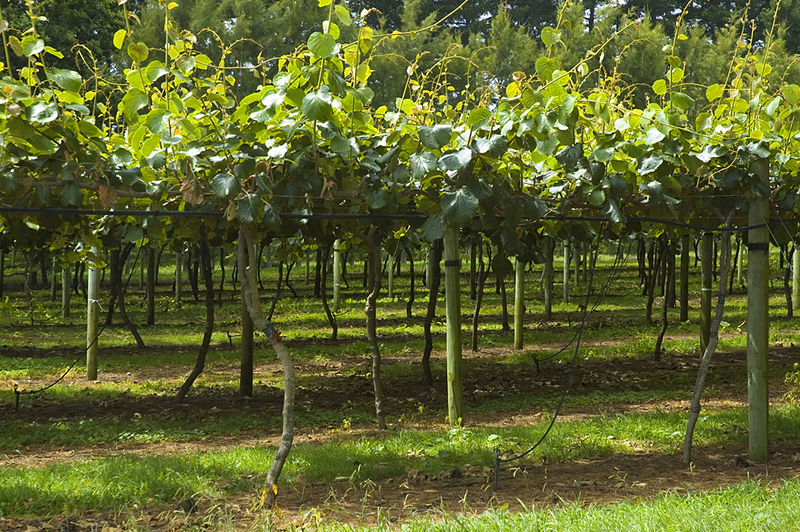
(379, 216)
(616, 270)
(618, 265)
(18, 392)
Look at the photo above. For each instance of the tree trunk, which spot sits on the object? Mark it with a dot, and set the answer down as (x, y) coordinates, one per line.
(482, 273)
(434, 280)
(708, 353)
(669, 257)
(123, 256)
(250, 294)
(372, 323)
(200, 363)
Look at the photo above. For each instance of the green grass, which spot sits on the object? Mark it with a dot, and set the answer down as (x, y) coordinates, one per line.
(120, 482)
(749, 506)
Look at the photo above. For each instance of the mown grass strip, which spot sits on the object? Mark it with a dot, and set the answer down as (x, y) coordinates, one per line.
(129, 481)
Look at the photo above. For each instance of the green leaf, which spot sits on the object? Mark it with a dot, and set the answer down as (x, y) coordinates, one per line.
(650, 164)
(534, 207)
(654, 136)
(41, 112)
(434, 137)
(422, 163)
(72, 194)
(225, 185)
(478, 115)
(772, 106)
(612, 210)
(156, 120)
(133, 100)
(660, 87)
(377, 199)
(343, 15)
(69, 80)
(321, 44)
(459, 207)
(31, 45)
(603, 154)
(596, 196)
(119, 39)
(681, 101)
(550, 36)
(714, 91)
(455, 160)
(675, 75)
(138, 51)
(433, 229)
(495, 146)
(317, 105)
(792, 93)
(249, 209)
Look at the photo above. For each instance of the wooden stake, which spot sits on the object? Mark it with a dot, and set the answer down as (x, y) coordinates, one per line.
(685, 278)
(452, 264)
(548, 243)
(758, 319)
(706, 258)
(92, 320)
(519, 303)
(337, 274)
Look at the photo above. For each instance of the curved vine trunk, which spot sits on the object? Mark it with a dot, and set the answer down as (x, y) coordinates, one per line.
(787, 287)
(669, 257)
(705, 361)
(248, 261)
(434, 281)
(482, 273)
(200, 363)
(372, 323)
(123, 256)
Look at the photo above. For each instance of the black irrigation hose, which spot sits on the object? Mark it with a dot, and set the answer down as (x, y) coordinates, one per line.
(497, 460)
(616, 269)
(18, 392)
(378, 216)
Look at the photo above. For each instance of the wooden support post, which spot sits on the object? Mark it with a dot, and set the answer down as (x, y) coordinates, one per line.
(685, 278)
(66, 289)
(739, 261)
(758, 319)
(519, 303)
(548, 243)
(246, 347)
(566, 272)
(337, 274)
(706, 267)
(796, 278)
(390, 271)
(452, 264)
(178, 275)
(150, 285)
(92, 319)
